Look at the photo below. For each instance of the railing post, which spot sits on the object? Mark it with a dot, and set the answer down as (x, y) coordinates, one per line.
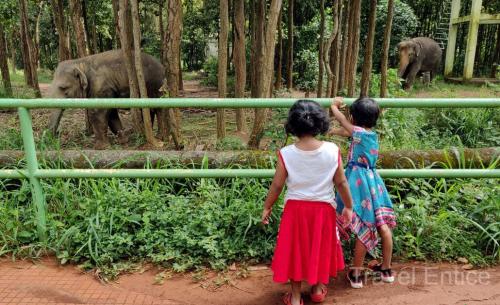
(38, 197)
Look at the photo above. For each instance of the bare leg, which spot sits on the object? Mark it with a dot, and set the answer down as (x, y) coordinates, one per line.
(386, 235)
(295, 292)
(359, 257)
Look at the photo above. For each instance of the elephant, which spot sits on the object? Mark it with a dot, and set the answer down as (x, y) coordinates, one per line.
(102, 75)
(417, 56)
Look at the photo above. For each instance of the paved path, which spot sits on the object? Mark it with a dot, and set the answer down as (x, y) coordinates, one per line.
(47, 283)
(41, 284)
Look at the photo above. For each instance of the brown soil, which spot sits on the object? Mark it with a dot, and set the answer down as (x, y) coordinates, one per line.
(416, 283)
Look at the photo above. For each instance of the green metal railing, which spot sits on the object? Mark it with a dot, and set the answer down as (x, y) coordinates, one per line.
(33, 173)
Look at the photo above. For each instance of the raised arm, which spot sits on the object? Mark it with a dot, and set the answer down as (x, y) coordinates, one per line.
(339, 132)
(340, 117)
(274, 190)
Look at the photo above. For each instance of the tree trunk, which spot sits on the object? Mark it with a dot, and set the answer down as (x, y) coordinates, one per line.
(367, 65)
(355, 47)
(336, 52)
(36, 46)
(4, 67)
(30, 60)
(143, 92)
(289, 58)
(386, 45)
(58, 9)
(75, 8)
(326, 46)
(345, 44)
(172, 67)
(161, 29)
(116, 7)
(279, 59)
(239, 59)
(264, 79)
(222, 65)
(319, 91)
(258, 47)
(13, 50)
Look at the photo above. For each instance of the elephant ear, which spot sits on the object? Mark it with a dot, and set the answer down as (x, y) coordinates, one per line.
(417, 47)
(82, 78)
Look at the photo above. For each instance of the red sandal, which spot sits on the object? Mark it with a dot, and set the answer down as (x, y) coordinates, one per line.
(320, 297)
(287, 299)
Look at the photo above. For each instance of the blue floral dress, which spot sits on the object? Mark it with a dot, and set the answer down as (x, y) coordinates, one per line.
(372, 206)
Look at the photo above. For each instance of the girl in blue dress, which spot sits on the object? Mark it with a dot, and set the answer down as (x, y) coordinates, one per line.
(373, 214)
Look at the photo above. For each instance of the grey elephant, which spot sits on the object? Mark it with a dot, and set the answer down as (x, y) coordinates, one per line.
(417, 56)
(102, 75)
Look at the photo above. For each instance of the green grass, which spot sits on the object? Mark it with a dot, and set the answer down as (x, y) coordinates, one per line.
(185, 224)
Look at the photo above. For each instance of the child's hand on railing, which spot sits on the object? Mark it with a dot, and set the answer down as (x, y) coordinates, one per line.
(338, 102)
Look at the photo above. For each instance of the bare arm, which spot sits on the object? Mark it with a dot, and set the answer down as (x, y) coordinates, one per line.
(274, 190)
(340, 132)
(340, 117)
(342, 186)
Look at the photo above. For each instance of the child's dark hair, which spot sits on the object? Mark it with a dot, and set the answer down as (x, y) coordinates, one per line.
(307, 117)
(365, 112)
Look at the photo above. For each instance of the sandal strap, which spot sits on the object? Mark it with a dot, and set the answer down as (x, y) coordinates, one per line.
(354, 278)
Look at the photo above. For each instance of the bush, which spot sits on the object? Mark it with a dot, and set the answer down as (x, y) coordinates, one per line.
(306, 75)
(404, 24)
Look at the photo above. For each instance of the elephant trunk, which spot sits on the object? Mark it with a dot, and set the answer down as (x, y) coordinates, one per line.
(403, 64)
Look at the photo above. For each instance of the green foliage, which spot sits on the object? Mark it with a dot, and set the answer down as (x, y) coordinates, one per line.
(394, 87)
(443, 219)
(404, 24)
(231, 143)
(210, 70)
(307, 70)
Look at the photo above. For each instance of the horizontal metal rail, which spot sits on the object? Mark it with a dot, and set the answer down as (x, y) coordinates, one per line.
(241, 103)
(232, 173)
(33, 173)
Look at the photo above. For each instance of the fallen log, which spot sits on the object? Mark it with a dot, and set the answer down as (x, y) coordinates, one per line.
(448, 158)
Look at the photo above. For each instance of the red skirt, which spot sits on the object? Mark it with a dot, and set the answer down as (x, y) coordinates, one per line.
(308, 247)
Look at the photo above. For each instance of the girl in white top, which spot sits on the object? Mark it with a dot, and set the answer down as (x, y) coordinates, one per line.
(307, 247)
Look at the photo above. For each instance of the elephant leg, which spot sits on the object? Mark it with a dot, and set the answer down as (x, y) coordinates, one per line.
(88, 126)
(411, 76)
(115, 124)
(55, 119)
(99, 120)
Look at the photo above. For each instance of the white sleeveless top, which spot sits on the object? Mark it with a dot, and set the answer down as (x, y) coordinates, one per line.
(310, 173)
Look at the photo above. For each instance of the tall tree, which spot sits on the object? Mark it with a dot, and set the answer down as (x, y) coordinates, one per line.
(239, 59)
(29, 59)
(319, 92)
(222, 64)
(4, 67)
(266, 73)
(354, 50)
(326, 46)
(345, 44)
(368, 60)
(161, 27)
(143, 92)
(386, 46)
(75, 8)
(172, 64)
(279, 58)
(336, 52)
(62, 32)
(289, 59)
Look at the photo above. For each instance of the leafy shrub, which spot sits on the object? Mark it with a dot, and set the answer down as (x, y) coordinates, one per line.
(307, 70)
(210, 70)
(394, 87)
(404, 24)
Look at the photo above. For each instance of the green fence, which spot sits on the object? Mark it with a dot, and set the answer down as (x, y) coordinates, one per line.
(33, 173)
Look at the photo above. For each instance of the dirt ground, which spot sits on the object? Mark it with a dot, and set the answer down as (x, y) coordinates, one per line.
(46, 282)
